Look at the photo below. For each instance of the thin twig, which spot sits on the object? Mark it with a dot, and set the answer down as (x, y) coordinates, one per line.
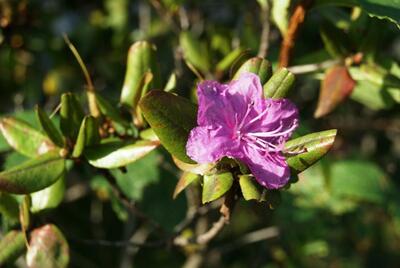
(122, 244)
(203, 239)
(296, 20)
(264, 40)
(309, 68)
(90, 90)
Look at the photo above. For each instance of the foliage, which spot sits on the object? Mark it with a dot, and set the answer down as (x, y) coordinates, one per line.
(95, 171)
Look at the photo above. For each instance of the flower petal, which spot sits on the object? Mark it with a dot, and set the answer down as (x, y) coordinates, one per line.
(275, 114)
(270, 170)
(248, 88)
(214, 108)
(207, 145)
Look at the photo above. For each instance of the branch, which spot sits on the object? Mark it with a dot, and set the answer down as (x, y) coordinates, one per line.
(296, 20)
(309, 68)
(217, 227)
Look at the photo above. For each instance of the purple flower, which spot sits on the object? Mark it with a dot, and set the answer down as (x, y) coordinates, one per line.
(234, 120)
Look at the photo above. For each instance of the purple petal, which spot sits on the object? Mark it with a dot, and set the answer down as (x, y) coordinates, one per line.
(206, 145)
(214, 108)
(276, 114)
(270, 170)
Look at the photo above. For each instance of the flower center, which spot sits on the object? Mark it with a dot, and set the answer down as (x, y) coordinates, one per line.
(263, 141)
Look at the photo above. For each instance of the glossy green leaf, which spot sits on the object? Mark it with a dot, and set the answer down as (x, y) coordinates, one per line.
(49, 128)
(304, 151)
(228, 60)
(279, 84)
(185, 180)
(194, 52)
(33, 175)
(49, 197)
(249, 187)
(258, 66)
(88, 135)
(171, 83)
(114, 155)
(335, 40)
(171, 117)
(141, 70)
(24, 138)
(47, 248)
(9, 207)
(216, 185)
(372, 95)
(11, 247)
(110, 111)
(71, 115)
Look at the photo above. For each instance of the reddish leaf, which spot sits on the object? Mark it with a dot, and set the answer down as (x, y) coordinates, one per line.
(335, 88)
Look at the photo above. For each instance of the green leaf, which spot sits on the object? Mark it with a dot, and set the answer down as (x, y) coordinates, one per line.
(279, 84)
(49, 128)
(11, 247)
(139, 175)
(88, 135)
(49, 197)
(116, 154)
(335, 40)
(372, 95)
(148, 134)
(172, 118)
(9, 207)
(200, 169)
(304, 151)
(280, 14)
(360, 180)
(33, 175)
(110, 111)
(141, 68)
(216, 185)
(71, 115)
(185, 180)
(258, 66)
(194, 52)
(171, 83)
(249, 187)
(383, 9)
(47, 248)
(24, 138)
(228, 60)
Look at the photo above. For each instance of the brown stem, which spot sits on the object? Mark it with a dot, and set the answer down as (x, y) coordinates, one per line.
(296, 20)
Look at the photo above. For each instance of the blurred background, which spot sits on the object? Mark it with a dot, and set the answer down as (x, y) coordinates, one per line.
(343, 212)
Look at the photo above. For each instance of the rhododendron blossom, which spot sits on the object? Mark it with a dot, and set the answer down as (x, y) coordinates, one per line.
(236, 121)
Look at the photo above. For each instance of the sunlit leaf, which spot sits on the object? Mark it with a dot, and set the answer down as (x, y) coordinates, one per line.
(193, 168)
(33, 175)
(194, 51)
(24, 138)
(141, 65)
(280, 14)
(47, 248)
(228, 60)
(279, 84)
(258, 66)
(250, 188)
(184, 181)
(114, 155)
(49, 197)
(216, 185)
(304, 151)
